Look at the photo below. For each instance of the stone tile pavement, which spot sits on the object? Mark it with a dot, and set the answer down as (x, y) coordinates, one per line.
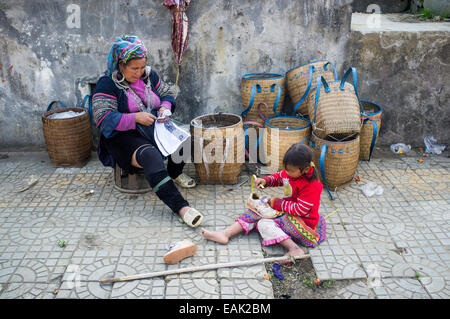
(396, 244)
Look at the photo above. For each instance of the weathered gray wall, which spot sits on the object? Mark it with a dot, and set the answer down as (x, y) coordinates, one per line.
(42, 59)
(408, 74)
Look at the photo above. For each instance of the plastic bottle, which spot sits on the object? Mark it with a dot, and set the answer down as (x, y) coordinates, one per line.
(400, 148)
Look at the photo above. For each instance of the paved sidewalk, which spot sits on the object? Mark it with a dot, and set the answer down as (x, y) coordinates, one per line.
(397, 243)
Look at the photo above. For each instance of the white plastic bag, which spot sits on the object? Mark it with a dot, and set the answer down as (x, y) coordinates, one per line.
(400, 148)
(65, 115)
(432, 146)
(371, 188)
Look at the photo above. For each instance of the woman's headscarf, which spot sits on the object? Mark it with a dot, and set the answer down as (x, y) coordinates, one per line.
(123, 50)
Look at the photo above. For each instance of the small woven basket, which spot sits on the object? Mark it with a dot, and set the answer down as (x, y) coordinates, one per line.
(259, 88)
(334, 108)
(68, 141)
(337, 160)
(218, 143)
(302, 79)
(371, 124)
(282, 132)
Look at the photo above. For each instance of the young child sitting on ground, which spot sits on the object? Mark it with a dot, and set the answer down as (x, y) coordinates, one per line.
(300, 221)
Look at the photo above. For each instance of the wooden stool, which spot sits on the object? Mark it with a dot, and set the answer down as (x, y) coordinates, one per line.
(130, 183)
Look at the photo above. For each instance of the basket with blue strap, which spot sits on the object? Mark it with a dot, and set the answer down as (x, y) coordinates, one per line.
(301, 80)
(280, 133)
(68, 140)
(268, 88)
(337, 160)
(334, 108)
(371, 124)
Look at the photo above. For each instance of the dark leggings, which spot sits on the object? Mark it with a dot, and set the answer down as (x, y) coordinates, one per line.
(160, 178)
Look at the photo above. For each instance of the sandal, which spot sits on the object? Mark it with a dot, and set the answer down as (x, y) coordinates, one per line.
(193, 217)
(185, 181)
(181, 250)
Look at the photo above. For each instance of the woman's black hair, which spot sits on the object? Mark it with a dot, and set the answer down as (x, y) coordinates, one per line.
(300, 155)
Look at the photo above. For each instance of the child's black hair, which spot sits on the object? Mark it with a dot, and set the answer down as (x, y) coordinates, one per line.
(300, 155)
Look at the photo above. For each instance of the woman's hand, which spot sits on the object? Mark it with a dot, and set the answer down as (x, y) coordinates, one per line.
(144, 118)
(260, 181)
(160, 113)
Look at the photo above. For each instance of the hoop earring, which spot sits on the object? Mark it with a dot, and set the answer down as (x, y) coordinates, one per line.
(116, 76)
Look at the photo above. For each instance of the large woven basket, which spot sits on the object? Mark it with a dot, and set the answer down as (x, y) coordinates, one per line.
(334, 109)
(371, 124)
(337, 160)
(259, 88)
(68, 141)
(302, 79)
(218, 144)
(282, 132)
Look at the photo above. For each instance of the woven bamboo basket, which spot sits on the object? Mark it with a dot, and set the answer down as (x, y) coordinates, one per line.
(337, 160)
(259, 88)
(218, 147)
(302, 79)
(68, 141)
(371, 125)
(334, 109)
(282, 132)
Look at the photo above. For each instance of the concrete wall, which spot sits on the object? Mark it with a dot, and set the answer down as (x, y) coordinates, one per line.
(408, 74)
(47, 54)
(55, 49)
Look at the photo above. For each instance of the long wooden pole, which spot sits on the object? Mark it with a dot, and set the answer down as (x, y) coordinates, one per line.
(202, 268)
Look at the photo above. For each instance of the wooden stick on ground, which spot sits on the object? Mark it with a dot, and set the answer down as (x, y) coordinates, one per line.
(203, 268)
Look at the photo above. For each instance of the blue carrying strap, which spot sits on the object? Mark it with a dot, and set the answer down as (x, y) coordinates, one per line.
(320, 80)
(334, 69)
(323, 152)
(52, 102)
(255, 87)
(303, 141)
(275, 104)
(312, 69)
(351, 70)
(85, 99)
(247, 140)
(374, 135)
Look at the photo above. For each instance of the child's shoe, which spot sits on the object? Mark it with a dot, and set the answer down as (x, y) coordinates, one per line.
(261, 206)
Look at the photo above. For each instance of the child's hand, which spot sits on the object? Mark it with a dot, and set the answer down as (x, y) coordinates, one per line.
(260, 181)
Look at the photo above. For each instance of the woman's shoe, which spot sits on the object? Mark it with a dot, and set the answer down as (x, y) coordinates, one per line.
(185, 181)
(193, 217)
(181, 250)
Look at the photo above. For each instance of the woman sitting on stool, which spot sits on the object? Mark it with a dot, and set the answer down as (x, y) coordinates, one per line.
(126, 102)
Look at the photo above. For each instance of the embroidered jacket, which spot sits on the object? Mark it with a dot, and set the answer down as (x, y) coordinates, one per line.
(110, 102)
(302, 196)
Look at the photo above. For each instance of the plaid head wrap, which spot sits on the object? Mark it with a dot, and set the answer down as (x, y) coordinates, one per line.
(123, 50)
